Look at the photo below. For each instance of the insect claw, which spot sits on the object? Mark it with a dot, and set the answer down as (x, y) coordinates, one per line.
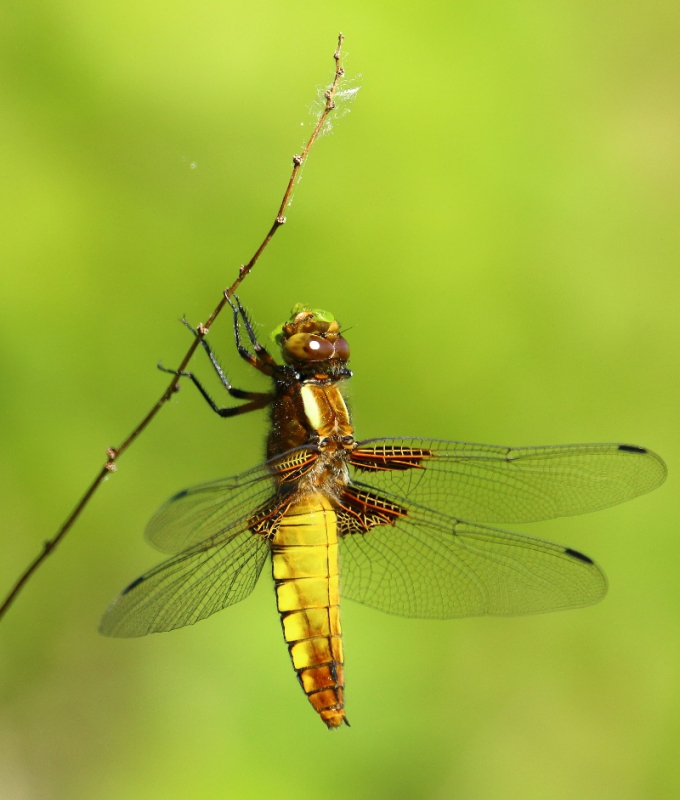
(186, 322)
(176, 372)
(228, 297)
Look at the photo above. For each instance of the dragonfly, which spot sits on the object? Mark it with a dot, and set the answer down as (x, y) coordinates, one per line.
(401, 525)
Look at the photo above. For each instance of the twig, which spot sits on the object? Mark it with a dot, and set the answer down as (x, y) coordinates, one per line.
(113, 454)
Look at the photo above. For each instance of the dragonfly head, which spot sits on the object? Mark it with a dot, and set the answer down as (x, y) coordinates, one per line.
(311, 338)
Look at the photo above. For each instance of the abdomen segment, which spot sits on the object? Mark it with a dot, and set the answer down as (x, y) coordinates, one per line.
(305, 571)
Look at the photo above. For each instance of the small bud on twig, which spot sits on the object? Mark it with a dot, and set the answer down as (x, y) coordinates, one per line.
(111, 454)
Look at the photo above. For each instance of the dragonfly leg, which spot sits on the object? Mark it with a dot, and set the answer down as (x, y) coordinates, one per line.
(238, 393)
(262, 361)
(260, 350)
(256, 399)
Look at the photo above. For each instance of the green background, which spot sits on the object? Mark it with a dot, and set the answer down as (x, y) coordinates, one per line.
(496, 220)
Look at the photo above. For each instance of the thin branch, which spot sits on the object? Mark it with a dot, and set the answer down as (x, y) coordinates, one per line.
(113, 454)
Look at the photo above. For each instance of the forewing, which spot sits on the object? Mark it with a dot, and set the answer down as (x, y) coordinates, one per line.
(188, 587)
(486, 483)
(428, 565)
(203, 512)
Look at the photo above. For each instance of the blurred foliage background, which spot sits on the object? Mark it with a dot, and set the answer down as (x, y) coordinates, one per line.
(497, 221)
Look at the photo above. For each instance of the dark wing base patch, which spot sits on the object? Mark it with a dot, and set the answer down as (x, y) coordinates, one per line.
(265, 521)
(360, 511)
(389, 457)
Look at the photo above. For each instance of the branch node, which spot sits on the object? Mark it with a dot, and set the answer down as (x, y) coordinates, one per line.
(297, 160)
(202, 329)
(242, 272)
(280, 220)
(110, 466)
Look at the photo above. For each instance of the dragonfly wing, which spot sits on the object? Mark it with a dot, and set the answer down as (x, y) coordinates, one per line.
(486, 483)
(198, 514)
(428, 565)
(188, 587)
(202, 512)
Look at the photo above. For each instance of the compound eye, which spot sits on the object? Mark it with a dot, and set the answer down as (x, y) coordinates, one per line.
(318, 349)
(307, 347)
(341, 349)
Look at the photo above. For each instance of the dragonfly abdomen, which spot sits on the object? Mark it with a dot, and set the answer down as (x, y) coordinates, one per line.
(305, 571)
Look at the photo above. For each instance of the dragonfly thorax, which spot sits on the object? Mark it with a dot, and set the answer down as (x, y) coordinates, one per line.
(327, 415)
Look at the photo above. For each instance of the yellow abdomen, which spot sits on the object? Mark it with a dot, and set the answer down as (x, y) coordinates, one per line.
(305, 570)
